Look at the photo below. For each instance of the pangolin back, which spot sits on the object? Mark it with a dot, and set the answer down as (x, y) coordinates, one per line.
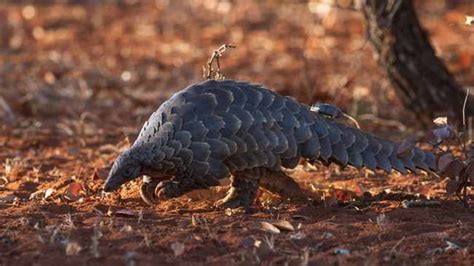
(214, 128)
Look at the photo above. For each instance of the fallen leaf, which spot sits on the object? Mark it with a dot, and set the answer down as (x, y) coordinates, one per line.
(8, 198)
(298, 235)
(250, 242)
(178, 248)
(35, 194)
(126, 228)
(420, 203)
(328, 235)
(300, 217)
(469, 20)
(284, 225)
(382, 221)
(125, 213)
(73, 248)
(441, 121)
(341, 251)
(74, 191)
(451, 245)
(49, 192)
(268, 227)
(4, 180)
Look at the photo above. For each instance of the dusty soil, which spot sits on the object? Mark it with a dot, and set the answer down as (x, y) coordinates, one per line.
(78, 79)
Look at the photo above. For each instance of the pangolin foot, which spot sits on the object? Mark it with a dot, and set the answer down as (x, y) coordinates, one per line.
(234, 200)
(147, 191)
(153, 190)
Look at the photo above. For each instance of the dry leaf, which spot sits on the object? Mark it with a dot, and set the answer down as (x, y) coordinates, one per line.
(420, 203)
(4, 180)
(250, 242)
(74, 191)
(328, 235)
(268, 227)
(451, 245)
(49, 192)
(125, 213)
(178, 248)
(382, 221)
(126, 228)
(341, 251)
(284, 225)
(300, 217)
(441, 121)
(8, 198)
(298, 235)
(469, 20)
(73, 248)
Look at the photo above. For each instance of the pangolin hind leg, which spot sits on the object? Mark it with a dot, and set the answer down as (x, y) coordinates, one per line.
(243, 189)
(280, 183)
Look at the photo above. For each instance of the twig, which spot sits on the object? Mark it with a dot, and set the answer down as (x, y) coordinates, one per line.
(352, 119)
(215, 57)
(420, 203)
(337, 6)
(7, 109)
(393, 250)
(465, 200)
(384, 122)
(468, 92)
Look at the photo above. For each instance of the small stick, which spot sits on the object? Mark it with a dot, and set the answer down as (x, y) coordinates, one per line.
(8, 110)
(352, 119)
(393, 250)
(468, 92)
(215, 57)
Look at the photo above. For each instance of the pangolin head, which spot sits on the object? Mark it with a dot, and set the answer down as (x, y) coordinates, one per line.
(125, 168)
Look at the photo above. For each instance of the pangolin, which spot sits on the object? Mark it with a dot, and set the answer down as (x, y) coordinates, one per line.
(215, 129)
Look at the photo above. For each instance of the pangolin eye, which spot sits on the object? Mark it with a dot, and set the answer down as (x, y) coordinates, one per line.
(129, 172)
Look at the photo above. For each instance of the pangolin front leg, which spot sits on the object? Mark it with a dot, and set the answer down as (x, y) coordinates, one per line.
(153, 190)
(243, 190)
(147, 190)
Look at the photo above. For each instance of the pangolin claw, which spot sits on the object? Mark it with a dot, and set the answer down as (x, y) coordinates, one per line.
(147, 193)
(228, 203)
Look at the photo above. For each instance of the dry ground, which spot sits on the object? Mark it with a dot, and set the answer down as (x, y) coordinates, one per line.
(77, 79)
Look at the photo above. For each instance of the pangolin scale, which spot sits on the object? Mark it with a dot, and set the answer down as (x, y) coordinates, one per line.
(216, 129)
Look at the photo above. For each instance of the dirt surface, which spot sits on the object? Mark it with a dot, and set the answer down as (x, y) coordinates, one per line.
(78, 79)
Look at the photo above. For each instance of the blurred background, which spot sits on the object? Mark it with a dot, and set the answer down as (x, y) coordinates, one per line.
(78, 78)
(111, 63)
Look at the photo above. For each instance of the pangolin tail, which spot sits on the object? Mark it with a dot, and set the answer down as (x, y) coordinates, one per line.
(345, 145)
